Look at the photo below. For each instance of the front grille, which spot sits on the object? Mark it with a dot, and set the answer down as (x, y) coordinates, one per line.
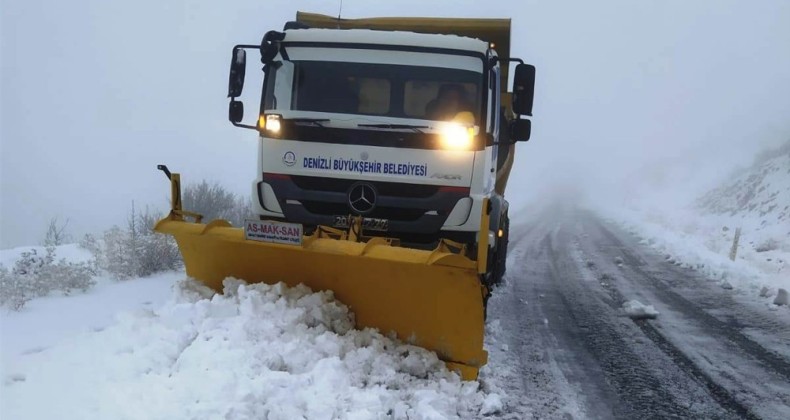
(341, 209)
(390, 189)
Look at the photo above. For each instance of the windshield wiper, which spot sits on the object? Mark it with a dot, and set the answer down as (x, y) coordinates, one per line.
(396, 126)
(316, 121)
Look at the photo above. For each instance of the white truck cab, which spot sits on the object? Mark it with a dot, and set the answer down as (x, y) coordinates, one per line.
(406, 130)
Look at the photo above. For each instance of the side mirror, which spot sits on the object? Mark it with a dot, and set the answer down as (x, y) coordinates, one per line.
(235, 111)
(238, 66)
(523, 89)
(270, 45)
(520, 130)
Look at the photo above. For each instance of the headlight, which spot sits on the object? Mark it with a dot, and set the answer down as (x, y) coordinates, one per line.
(271, 123)
(457, 137)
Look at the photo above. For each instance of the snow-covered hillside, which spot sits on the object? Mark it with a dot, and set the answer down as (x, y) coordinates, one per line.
(758, 199)
(700, 234)
(166, 347)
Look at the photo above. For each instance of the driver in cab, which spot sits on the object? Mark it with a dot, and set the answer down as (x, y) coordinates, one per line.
(450, 102)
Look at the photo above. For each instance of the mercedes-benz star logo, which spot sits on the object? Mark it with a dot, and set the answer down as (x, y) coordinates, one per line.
(362, 198)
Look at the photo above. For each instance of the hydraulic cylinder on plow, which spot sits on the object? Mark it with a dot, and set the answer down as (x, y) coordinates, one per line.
(430, 298)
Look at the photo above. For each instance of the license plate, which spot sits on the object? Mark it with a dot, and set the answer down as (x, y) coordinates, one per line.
(274, 232)
(368, 223)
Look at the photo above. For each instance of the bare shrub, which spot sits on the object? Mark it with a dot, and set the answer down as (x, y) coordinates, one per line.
(242, 210)
(213, 201)
(35, 275)
(136, 251)
(56, 233)
(12, 290)
(155, 251)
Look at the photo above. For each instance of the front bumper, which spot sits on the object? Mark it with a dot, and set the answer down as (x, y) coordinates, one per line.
(409, 208)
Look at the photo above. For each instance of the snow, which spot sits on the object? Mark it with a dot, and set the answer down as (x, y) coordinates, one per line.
(491, 405)
(401, 38)
(133, 349)
(71, 252)
(781, 297)
(46, 321)
(634, 309)
(701, 242)
(699, 233)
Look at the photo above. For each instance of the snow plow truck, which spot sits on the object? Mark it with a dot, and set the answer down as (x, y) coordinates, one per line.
(385, 146)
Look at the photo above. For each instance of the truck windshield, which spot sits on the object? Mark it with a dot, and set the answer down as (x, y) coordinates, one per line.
(400, 91)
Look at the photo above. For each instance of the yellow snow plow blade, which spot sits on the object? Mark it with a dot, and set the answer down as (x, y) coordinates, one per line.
(433, 299)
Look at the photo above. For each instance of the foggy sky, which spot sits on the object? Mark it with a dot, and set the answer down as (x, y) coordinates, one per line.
(630, 97)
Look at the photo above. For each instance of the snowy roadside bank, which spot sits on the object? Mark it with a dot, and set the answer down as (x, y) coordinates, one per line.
(48, 320)
(698, 230)
(258, 351)
(703, 243)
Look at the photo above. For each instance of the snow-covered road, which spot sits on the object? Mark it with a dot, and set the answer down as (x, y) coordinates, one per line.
(562, 346)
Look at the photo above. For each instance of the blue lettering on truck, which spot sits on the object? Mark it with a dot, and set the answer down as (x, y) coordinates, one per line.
(316, 163)
(365, 167)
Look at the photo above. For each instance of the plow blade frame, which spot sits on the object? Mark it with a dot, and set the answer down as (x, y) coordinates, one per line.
(433, 299)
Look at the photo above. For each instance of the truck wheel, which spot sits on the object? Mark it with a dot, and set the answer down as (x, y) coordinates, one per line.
(500, 257)
(485, 304)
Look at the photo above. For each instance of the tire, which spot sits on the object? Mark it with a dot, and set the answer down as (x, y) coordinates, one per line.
(498, 262)
(500, 257)
(485, 305)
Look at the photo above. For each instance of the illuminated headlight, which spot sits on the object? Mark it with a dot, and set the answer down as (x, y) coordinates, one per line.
(457, 137)
(270, 122)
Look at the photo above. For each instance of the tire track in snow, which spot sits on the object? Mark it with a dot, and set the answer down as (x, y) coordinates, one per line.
(720, 394)
(728, 331)
(739, 396)
(522, 357)
(568, 343)
(643, 394)
(546, 369)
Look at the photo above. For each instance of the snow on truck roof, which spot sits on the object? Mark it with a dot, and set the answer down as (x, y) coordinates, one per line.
(494, 31)
(367, 36)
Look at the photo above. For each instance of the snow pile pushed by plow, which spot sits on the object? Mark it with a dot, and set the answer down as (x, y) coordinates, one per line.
(258, 351)
(634, 309)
